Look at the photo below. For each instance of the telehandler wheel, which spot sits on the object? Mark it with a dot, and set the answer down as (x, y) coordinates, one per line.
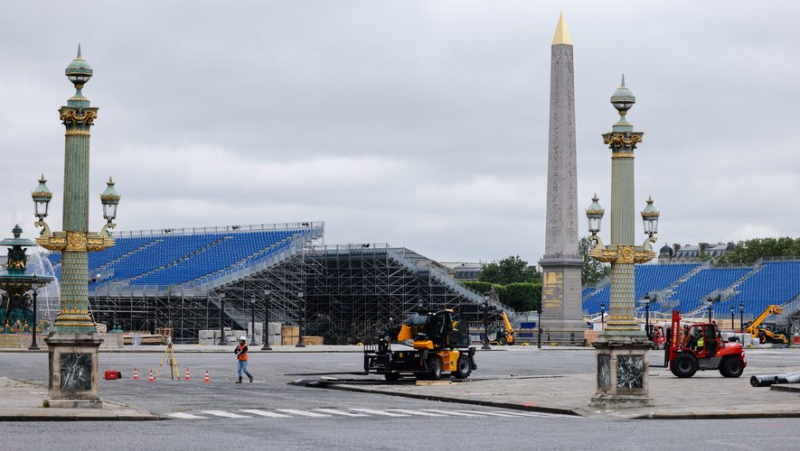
(503, 341)
(731, 367)
(391, 377)
(434, 368)
(684, 366)
(762, 338)
(463, 367)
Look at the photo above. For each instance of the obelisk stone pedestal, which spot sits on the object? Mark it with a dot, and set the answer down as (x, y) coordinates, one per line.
(73, 371)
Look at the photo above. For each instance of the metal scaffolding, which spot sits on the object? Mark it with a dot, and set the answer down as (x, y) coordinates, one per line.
(349, 293)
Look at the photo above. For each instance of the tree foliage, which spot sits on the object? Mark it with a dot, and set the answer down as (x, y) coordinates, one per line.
(592, 271)
(509, 270)
(747, 252)
(521, 297)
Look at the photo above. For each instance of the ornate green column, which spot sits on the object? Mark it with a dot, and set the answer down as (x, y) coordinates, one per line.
(73, 344)
(75, 241)
(622, 360)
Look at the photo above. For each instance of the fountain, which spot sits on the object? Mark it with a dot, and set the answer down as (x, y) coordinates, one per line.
(17, 313)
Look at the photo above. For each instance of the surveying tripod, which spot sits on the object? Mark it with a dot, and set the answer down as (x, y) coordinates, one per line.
(172, 362)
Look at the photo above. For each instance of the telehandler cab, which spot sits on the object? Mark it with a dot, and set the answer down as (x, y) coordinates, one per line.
(440, 345)
(700, 347)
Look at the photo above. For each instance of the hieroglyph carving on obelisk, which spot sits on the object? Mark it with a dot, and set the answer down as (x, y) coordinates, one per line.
(561, 264)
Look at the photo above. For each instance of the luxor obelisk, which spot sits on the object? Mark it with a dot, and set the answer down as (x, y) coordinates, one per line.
(561, 279)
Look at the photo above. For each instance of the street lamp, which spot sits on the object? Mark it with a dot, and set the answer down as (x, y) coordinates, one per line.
(486, 323)
(710, 308)
(741, 319)
(35, 287)
(253, 320)
(300, 343)
(646, 301)
(623, 340)
(539, 323)
(602, 315)
(266, 346)
(733, 312)
(110, 200)
(74, 333)
(222, 341)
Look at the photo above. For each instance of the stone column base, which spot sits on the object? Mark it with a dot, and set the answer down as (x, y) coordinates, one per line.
(74, 365)
(622, 371)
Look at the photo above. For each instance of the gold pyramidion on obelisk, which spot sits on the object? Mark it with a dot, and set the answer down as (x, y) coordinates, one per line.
(562, 32)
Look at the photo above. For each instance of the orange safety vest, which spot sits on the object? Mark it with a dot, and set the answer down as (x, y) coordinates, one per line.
(242, 352)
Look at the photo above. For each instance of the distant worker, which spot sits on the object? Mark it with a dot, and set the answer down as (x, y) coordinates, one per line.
(241, 356)
(700, 343)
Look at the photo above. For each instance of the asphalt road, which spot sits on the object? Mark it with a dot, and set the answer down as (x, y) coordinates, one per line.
(270, 414)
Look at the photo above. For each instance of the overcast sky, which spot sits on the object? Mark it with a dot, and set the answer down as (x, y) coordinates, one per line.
(418, 123)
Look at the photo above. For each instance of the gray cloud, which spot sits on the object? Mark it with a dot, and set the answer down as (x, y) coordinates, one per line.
(416, 123)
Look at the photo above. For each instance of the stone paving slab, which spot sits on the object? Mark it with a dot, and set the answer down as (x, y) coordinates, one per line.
(23, 401)
(706, 395)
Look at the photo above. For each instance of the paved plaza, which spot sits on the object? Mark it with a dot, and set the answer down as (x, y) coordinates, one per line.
(511, 382)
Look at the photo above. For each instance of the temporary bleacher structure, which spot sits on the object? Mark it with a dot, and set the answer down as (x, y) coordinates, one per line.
(689, 287)
(189, 278)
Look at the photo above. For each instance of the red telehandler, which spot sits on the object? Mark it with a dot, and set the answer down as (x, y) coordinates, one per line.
(700, 347)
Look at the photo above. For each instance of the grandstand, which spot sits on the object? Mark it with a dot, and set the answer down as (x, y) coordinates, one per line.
(688, 287)
(182, 277)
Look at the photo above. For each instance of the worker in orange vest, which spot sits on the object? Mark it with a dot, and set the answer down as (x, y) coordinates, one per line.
(241, 356)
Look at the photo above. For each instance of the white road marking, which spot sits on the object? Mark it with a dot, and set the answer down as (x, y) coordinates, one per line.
(303, 413)
(492, 414)
(224, 414)
(186, 416)
(418, 412)
(264, 413)
(341, 412)
(452, 412)
(381, 412)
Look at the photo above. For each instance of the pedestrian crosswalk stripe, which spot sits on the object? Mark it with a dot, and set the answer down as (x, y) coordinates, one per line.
(453, 412)
(341, 412)
(221, 413)
(493, 414)
(264, 413)
(362, 413)
(418, 412)
(519, 414)
(381, 412)
(530, 414)
(303, 413)
(186, 416)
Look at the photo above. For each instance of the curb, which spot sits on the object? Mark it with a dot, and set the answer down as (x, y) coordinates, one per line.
(502, 405)
(716, 416)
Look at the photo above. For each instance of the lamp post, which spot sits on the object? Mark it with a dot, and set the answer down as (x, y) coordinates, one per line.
(35, 287)
(710, 309)
(221, 295)
(646, 301)
(623, 342)
(300, 343)
(74, 334)
(733, 312)
(539, 324)
(266, 346)
(602, 315)
(741, 319)
(253, 321)
(486, 323)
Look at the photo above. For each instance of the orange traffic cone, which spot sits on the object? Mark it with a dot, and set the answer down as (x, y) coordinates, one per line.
(187, 378)
(151, 378)
(206, 379)
(135, 374)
